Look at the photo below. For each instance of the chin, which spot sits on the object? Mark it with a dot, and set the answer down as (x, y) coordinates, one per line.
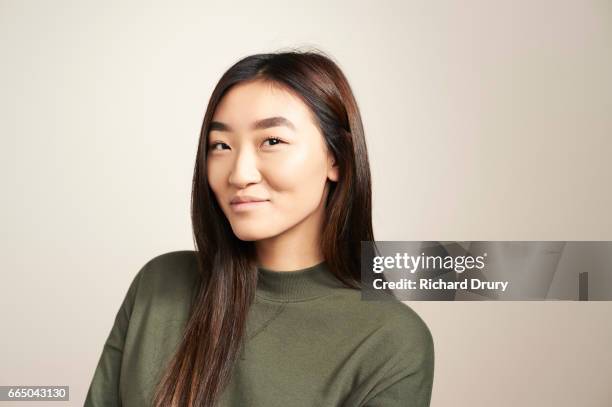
(256, 231)
(251, 234)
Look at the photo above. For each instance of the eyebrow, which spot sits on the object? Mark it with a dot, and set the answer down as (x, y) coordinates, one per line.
(258, 125)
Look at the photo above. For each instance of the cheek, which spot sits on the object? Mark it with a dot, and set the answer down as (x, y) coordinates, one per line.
(300, 174)
(215, 177)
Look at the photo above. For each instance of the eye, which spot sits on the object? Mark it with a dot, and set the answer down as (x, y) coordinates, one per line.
(277, 140)
(213, 146)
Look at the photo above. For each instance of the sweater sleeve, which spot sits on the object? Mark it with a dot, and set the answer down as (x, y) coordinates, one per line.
(409, 380)
(104, 387)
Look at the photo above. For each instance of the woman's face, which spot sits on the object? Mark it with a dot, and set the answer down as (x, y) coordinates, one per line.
(264, 144)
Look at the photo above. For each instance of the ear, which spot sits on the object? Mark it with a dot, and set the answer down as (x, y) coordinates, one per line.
(332, 172)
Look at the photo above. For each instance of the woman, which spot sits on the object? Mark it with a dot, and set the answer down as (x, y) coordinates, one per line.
(268, 310)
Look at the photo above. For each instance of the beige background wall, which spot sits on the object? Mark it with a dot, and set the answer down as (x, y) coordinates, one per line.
(485, 120)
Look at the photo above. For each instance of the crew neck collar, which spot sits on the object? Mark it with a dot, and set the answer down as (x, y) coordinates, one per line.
(296, 285)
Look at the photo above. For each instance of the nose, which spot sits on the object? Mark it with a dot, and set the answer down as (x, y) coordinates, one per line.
(244, 170)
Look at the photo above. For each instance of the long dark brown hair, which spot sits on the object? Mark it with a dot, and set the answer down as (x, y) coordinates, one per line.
(202, 365)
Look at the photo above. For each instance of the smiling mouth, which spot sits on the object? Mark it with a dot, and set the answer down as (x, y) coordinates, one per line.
(245, 206)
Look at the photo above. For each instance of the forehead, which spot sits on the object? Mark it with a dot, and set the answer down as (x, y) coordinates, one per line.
(250, 101)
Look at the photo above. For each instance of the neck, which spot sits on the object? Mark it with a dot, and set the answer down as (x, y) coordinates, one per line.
(296, 285)
(294, 249)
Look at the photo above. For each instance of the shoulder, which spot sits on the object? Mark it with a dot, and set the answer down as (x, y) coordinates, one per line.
(171, 274)
(404, 319)
(175, 262)
(396, 324)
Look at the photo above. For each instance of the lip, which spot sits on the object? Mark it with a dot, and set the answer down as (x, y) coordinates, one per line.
(247, 206)
(246, 198)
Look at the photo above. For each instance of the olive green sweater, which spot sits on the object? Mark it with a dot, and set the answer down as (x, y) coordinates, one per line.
(310, 342)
